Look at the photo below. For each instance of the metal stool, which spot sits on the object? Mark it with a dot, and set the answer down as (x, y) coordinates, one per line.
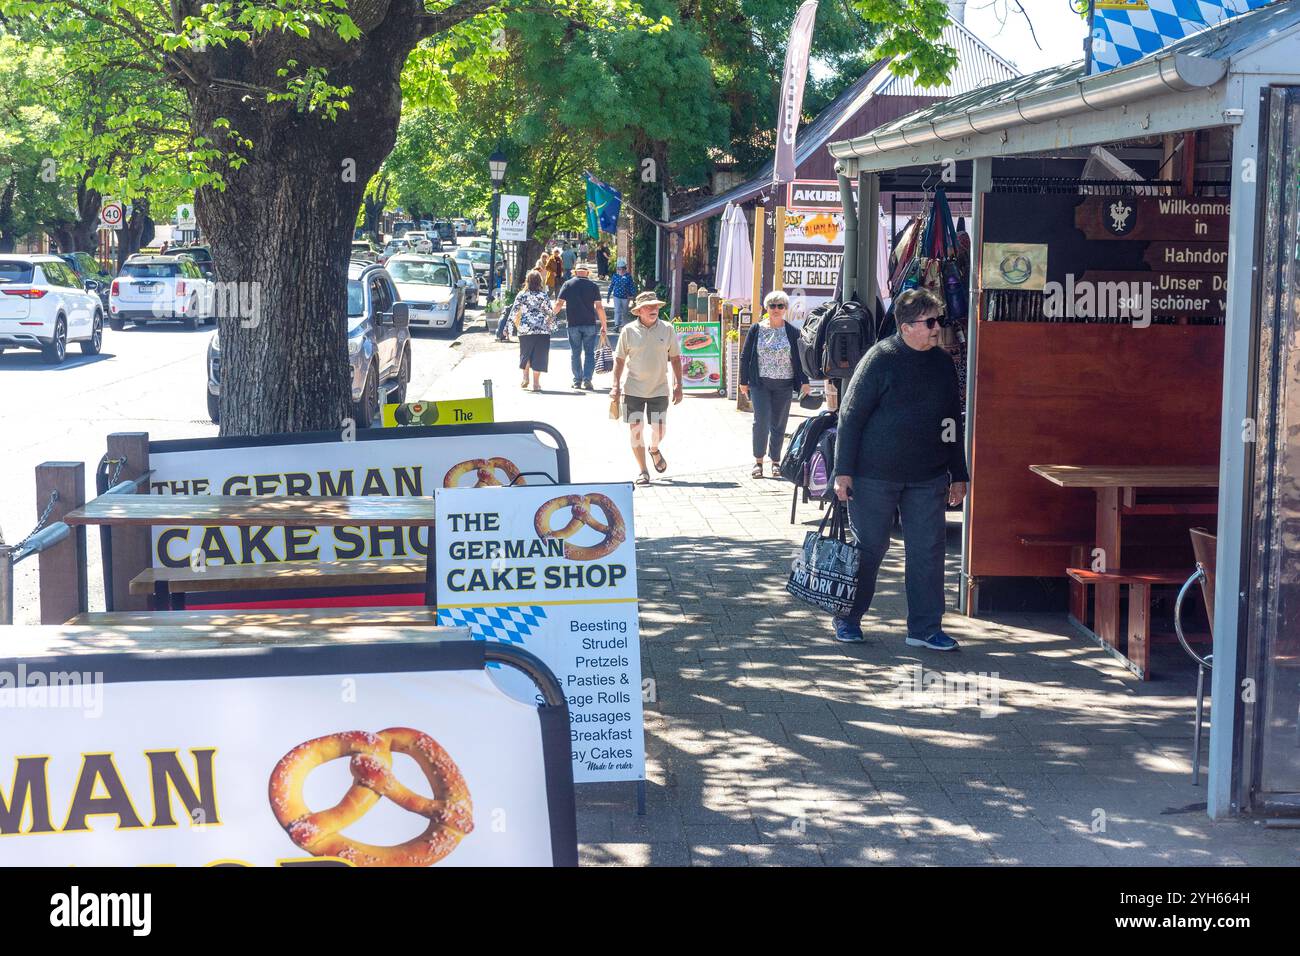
(1202, 665)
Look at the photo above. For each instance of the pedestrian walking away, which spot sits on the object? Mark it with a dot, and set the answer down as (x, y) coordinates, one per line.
(770, 371)
(647, 346)
(554, 269)
(580, 298)
(621, 290)
(568, 259)
(899, 448)
(602, 262)
(534, 321)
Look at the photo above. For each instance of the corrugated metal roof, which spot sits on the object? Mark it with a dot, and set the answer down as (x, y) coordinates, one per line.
(1219, 43)
(977, 66)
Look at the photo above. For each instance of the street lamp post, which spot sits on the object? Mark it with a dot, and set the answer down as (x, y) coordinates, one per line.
(497, 170)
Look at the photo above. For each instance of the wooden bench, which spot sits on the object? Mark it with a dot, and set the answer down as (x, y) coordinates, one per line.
(1078, 555)
(169, 586)
(294, 618)
(1139, 583)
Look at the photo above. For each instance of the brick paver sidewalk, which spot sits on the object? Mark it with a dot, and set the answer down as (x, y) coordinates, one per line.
(770, 743)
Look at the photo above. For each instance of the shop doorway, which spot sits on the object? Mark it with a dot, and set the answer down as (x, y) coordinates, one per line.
(1271, 746)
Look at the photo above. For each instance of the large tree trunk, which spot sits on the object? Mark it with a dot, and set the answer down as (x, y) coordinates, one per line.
(283, 228)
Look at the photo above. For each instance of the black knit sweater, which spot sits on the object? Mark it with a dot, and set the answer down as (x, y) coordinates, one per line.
(900, 406)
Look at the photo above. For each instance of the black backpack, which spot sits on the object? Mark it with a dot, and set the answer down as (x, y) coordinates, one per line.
(846, 338)
(803, 443)
(812, 337)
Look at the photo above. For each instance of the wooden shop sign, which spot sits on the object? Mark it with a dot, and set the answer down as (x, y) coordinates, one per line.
(1187, 256)
(1153, 217)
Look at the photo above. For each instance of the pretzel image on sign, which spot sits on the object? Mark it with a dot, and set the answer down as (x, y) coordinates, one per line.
(485, 470)
(612, 527)
(449, 811)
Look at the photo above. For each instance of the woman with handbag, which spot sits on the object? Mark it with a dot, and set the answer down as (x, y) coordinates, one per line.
(532, 318)
(770, 371)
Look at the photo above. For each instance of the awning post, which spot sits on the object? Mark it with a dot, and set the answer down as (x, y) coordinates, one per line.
(849, 268)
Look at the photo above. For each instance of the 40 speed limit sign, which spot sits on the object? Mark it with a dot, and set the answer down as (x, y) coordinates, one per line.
(112, 214)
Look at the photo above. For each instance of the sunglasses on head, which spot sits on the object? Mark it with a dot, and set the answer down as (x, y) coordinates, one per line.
(929, 323)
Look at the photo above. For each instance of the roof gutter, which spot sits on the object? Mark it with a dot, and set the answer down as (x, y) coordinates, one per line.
(1179, 72)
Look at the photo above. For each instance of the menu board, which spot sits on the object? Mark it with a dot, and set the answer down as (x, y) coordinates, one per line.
(701, 345)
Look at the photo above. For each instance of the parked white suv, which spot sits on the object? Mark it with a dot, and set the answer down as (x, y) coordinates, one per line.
(160, 289)
(43, 305)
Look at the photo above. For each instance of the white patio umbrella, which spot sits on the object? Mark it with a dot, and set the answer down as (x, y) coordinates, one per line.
(735, 260)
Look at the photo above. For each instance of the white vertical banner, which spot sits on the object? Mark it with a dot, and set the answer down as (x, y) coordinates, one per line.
(792, 83)
(512, 221)
(551, 569)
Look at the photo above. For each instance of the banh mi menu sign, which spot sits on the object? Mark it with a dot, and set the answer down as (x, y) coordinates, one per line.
(701, 347)
(552, 571)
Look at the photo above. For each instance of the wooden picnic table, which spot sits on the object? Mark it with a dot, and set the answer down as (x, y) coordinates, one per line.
(1123, 491)
(292, 511)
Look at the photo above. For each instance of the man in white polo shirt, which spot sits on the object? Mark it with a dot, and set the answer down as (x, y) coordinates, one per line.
(645, 349)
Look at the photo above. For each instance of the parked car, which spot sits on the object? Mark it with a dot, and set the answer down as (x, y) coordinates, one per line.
(446, 230)
(425, 235)
(402, 227)
(408, 244)
(363, 250)
(465, 270)
(481, 242)
(94, 277)
(379, 345)
(202, 257)
(160, 289)
(43, 305)
(432, 286)
(478, 259)
(464, 227)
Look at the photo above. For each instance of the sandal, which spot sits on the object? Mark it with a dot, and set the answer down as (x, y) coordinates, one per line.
(758, 471)
(657, 457)
(644, 478)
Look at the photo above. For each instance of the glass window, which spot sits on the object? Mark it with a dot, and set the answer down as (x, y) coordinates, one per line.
(380, 299)
(151, 270)
(356, 299)
(15, 272)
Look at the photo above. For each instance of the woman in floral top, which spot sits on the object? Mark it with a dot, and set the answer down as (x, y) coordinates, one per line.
(770, 372)
(534, 319)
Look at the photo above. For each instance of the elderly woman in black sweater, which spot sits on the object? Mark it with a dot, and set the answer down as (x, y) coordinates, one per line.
(769, 374)
(900, 448)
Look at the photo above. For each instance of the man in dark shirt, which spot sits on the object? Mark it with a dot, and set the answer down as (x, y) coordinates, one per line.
(581, 297)
(900, 447)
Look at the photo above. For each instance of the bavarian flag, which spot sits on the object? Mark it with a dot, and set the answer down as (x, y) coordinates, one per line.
(603, 205)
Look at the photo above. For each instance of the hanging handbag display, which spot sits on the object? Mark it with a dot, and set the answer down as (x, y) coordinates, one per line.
(825, 573)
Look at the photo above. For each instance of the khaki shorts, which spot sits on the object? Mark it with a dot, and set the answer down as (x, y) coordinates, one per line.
(637, 410)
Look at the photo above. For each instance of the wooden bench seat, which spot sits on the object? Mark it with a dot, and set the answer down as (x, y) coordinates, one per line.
(1136, 576)
(297, 618)
(1078, 554)
(1139, 582)
(170, 585)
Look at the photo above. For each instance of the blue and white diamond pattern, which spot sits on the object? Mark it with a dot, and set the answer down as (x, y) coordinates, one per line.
(507, 625)
(1127, 31)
